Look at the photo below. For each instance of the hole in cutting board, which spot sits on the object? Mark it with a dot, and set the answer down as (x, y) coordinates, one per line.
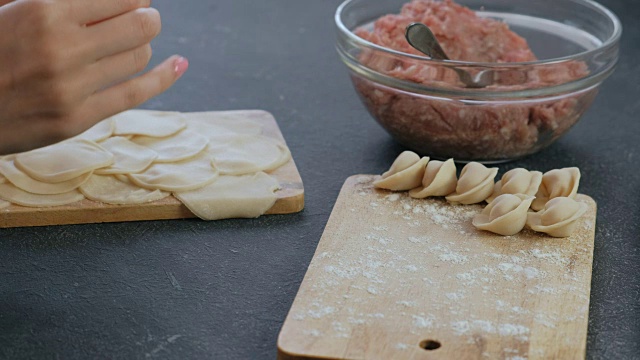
(430, 344)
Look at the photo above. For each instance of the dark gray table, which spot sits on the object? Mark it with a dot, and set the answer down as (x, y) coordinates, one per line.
(194, 289)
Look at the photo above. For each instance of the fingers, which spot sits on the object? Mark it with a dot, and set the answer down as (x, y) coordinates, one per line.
(88, 12)
(122, 33)
(114, 69)
(134, 92)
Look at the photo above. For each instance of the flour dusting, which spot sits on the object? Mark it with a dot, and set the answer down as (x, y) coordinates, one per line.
(419, 264)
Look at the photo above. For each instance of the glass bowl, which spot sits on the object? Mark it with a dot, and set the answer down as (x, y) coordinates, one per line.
(424, 106)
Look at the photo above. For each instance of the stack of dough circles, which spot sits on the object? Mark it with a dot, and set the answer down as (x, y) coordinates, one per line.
(3, 203)
(216, 163)
(177, 176)
(115, 190)
(100, 131)
(180, 146)
(15, 195)
(248, 154)
(227, 124)
(128, 157)
(29, 184)
(510, 199)
(63, 161)
(148, 123)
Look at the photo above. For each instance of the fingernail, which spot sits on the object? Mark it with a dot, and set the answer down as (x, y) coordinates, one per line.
(181, 66)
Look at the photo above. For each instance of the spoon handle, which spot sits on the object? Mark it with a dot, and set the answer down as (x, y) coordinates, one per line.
(420, 37)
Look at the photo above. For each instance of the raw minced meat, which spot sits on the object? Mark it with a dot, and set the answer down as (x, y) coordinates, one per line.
(451, 128)
(462, 35)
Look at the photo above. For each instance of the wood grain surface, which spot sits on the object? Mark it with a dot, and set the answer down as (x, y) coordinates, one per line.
(401, 278)
(290, 198)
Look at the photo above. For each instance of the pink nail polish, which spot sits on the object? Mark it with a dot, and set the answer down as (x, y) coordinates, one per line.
(181, 66)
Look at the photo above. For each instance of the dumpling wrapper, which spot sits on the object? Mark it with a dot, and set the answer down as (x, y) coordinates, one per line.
(100, 131)
(439, 180)
(63, 161)
(108, 189)
(183, 175)
(3, 204)
(18, 196)
(405, 173)
(248, 154)
(506, 215)
(180, 146)
(559, 217)
(517, 181)
(218, 125)
(128, 156)
(23, 181)
(474, 185)
(245, 196)
(557, 183)
(148, 123)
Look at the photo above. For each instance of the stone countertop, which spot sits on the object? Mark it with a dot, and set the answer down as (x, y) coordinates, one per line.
(194, 289)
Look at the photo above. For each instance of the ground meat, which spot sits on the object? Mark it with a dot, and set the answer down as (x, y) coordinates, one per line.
(462, 35)
(452, 128)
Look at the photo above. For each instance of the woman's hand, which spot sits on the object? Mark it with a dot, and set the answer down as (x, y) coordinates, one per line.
(67, 64)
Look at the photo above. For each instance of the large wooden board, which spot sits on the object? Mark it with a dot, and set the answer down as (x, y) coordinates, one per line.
(392, 275)
(290, 198)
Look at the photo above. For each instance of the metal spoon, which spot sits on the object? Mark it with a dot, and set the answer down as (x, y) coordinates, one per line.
(422, 39)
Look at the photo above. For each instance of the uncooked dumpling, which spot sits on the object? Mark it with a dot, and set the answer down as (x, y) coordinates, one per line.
(18, 196)
(506, 215)
(148, 123)
(63, 161)
(559, 217)
(405, 173)
(177, 176)
(128, 157)
(557, 183)
(246, 196)
(475, 184)
(177, 147)
(517, 181)
(439, 180)
(23, 181)
(100, 131)
(248, 154)
(108, 189)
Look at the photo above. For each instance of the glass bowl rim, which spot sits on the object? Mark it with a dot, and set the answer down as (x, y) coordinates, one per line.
(611, 41)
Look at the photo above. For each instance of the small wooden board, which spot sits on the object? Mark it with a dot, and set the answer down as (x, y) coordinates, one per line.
(290, 198)
(394, 275)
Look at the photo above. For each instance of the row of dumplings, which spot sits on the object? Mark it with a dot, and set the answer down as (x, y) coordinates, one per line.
(551, 196)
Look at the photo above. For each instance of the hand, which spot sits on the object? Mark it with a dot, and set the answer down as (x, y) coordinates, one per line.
(67, 64)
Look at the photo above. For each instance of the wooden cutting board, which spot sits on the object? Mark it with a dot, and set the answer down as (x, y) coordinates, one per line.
(401, 278)
(290, 198)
